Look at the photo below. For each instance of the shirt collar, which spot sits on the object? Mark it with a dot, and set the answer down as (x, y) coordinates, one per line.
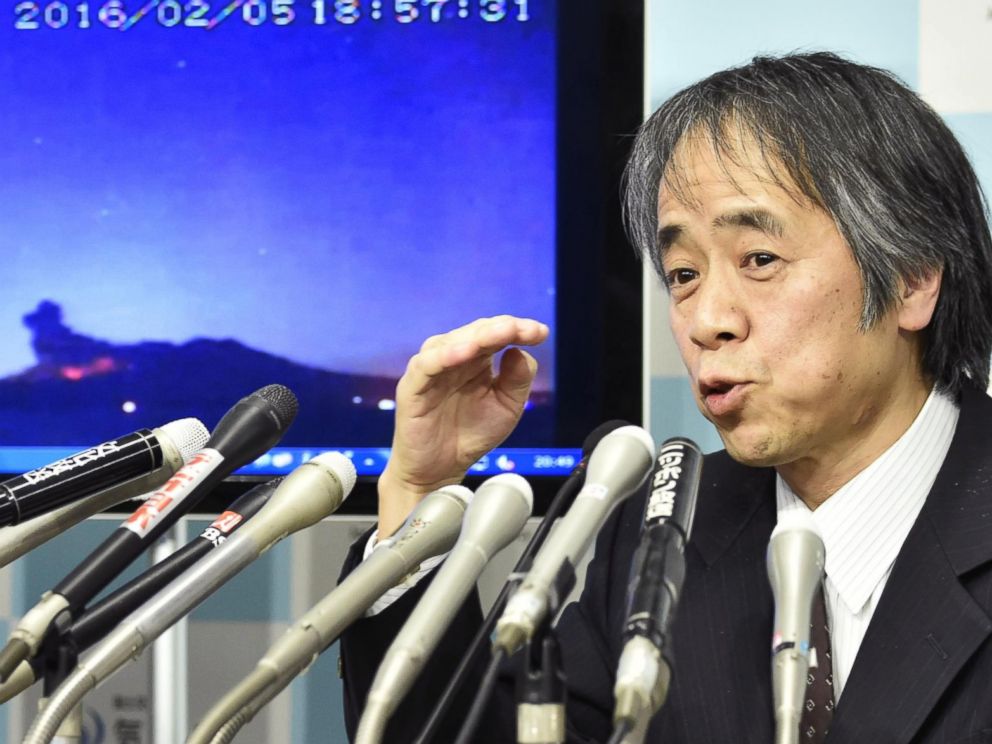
(865, 522)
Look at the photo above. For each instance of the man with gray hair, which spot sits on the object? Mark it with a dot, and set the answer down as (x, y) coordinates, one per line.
(826, 250)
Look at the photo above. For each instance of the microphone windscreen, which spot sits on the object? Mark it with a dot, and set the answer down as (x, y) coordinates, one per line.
(594, 437)
(283, 401)
(188, 435)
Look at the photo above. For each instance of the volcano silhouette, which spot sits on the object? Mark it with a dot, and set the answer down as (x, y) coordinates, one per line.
(83, 390)
(80, 389)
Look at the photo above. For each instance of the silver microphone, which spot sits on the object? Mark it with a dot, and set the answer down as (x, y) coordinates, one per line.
(617, 467)
(431, 529)
(795, 569)
(307, 495)
(495, 517)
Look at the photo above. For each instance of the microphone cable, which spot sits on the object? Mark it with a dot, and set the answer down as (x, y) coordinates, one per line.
(620, 732)
(481, 699)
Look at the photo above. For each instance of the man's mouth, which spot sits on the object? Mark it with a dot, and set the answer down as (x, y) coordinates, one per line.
(723, 397)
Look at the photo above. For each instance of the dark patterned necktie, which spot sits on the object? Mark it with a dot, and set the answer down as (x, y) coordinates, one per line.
(819, 708)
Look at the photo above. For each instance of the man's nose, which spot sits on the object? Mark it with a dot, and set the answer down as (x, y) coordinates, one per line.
(718, 313)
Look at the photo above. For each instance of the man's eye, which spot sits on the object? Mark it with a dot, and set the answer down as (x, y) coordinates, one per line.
(759, 259)
(679, 277)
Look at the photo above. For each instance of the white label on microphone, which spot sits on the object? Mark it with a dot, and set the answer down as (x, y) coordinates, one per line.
(175, 490)
(595, 491)
(668, 470)
(71, 463)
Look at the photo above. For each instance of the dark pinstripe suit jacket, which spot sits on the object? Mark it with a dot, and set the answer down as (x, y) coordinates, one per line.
(923, 673)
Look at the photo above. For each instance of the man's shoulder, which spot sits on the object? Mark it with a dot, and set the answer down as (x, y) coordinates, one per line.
(976, 410)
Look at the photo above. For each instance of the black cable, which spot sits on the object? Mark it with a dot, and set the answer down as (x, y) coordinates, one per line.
(481, 698)
(620, 731)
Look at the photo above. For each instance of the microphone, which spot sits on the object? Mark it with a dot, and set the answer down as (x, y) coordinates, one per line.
(100, 618)
(308, 494)
(178, 441)
(656, 576)
(495, 517)
(252, 426)
(617, 467)
(562, 500)
(430, 529)
(118, 462)
(795, 569)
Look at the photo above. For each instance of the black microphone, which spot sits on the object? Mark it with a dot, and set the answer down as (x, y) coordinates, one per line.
(179, 441)
(100, 618)
(252, 426)
(85, 473)
(656, 576)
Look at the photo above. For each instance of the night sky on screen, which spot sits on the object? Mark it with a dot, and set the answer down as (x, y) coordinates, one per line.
(328, 193)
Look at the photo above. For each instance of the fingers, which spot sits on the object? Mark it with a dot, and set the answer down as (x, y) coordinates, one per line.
(517, 370)
(491, 334)
(470, 348)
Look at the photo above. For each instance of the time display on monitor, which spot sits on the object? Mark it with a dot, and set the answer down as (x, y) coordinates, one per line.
(122, 16)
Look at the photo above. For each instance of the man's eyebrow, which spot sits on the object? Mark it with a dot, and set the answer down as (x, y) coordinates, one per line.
(756, 219)
(667, 236)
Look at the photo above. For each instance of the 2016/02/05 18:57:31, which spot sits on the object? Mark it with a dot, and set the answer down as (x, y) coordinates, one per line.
(113, 14)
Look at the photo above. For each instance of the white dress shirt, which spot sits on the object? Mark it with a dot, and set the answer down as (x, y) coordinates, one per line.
(410, 581)
(866, 521)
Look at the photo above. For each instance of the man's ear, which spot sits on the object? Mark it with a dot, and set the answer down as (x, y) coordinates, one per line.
(918, 298)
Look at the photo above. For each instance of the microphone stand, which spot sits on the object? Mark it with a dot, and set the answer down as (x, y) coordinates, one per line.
(562, 500)
(563, 584)
(541, 692)
(624, 734)
(61, 659)
(170, 678)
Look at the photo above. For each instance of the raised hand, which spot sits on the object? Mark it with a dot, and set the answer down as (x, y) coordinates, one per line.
(452, 407)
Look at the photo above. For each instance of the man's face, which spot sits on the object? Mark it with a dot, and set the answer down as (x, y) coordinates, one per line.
(765, 306)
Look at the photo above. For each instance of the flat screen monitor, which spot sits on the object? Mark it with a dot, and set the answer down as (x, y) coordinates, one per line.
(201, 198)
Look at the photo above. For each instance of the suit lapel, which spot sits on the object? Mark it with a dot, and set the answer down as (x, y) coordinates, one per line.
(927, 625)
(731, 633)
(729, 496)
